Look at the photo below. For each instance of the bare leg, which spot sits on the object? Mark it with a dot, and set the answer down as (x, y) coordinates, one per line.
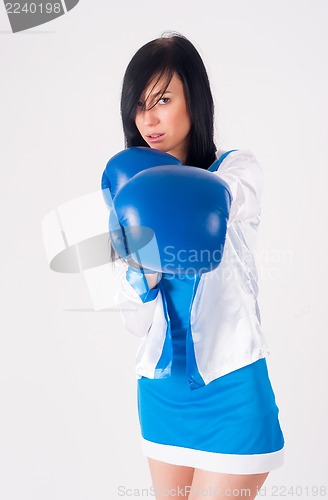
(217, 485)
(170, 480)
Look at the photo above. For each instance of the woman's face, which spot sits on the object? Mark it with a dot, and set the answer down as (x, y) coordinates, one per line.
(166, 126)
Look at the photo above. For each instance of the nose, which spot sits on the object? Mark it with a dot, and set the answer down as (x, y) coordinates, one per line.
(150, 117)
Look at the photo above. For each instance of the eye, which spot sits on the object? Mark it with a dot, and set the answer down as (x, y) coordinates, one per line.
(166, 99)
(140, 105)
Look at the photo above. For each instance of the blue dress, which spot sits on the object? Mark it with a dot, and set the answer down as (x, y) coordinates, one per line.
(230, 425)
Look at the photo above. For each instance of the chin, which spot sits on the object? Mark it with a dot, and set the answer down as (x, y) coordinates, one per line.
(159, 147)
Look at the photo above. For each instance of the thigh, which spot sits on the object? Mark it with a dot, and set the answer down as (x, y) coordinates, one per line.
(217, 485)
(170, 480)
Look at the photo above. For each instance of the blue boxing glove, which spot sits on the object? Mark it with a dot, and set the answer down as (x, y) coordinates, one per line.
(172, 220)
(119, 169)
(124, 165)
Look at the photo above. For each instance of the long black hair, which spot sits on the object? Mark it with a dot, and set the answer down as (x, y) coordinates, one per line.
(162, 57)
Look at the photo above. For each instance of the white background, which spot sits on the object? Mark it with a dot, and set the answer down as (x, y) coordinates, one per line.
(68, 418)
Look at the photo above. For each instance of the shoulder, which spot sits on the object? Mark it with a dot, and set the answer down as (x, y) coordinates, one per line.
(242, 164)
(236, 155)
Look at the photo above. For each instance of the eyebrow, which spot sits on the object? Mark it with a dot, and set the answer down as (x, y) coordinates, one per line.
(161, 93)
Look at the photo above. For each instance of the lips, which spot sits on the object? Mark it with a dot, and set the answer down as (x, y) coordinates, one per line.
(154, 138)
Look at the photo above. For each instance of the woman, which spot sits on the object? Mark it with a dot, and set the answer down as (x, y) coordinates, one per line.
(212, 428)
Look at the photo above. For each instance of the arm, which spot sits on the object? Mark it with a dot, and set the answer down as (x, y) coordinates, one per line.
(244, 176)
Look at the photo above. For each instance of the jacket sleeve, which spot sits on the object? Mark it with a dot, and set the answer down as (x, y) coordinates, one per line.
(244, 176)
(136, 302)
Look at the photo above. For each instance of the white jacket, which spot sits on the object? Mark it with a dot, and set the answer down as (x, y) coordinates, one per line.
(225, 326)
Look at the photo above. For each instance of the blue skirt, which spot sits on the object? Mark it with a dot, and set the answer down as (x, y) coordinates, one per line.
(230, 425)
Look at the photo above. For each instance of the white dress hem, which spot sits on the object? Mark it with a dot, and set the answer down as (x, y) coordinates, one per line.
(213, 462)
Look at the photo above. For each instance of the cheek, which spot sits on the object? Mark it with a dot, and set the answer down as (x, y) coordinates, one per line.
(185, 124)
(184, 116)
(175, 119)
